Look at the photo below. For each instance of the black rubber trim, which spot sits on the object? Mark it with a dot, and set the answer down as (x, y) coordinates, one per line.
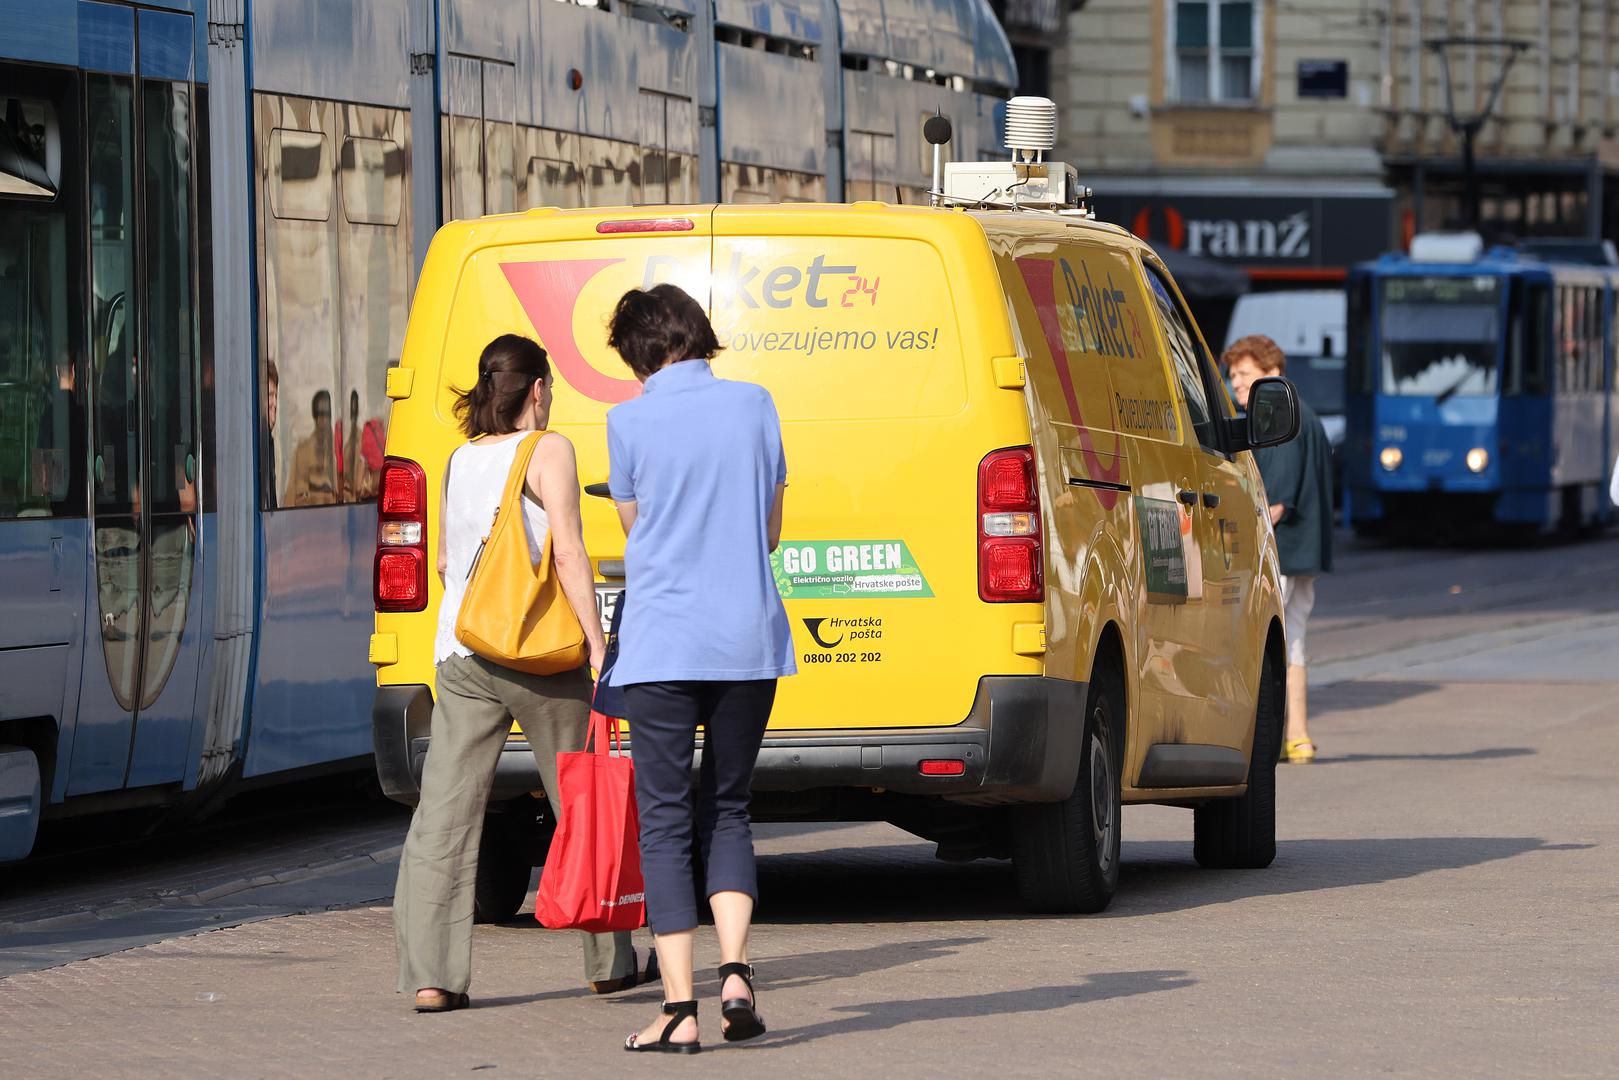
(1188, 765)
(1080, 481)
(1021, 743)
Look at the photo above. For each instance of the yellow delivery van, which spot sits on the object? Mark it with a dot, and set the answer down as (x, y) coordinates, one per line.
(1026, 557)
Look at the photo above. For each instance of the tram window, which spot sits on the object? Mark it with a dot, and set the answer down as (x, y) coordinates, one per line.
(1184, 349)
(654, 176)
(1440, 336)
(300, 300)
(41, 405)
(1537, 337)
(111, 110)
(466, 167)
(372, 178)
(1591, 376)
(170, 359)
(612, 173)
(300, 175)
(500, 180)
(682, 170)
(1357, 379)
(374, 287)
(555, 183)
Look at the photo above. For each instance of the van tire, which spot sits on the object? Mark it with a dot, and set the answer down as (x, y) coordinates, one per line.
(1066, 854)
(504, 867)
(1240, 834)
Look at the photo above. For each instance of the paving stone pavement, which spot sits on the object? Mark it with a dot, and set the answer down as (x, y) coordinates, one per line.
(1445, 903)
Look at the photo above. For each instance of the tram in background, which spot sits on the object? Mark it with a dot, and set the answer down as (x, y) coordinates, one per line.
(210, 224)
(1480, 390)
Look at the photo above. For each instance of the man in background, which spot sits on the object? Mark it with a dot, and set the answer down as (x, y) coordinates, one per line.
(1298, 487)
(272, 413)
(313, 481)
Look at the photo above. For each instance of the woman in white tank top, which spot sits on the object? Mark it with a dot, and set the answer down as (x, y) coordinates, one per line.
(476, 700)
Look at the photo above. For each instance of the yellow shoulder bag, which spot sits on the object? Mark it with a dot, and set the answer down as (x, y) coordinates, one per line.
(515, 613)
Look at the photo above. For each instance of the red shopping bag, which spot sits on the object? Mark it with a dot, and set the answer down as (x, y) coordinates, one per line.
(592, 878)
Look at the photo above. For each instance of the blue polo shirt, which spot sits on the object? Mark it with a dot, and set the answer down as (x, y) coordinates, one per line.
(700, 457)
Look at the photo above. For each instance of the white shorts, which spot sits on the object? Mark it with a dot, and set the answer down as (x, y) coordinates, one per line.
(1298, 600)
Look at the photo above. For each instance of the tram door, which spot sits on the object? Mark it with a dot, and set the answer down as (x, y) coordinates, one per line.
(138, 697)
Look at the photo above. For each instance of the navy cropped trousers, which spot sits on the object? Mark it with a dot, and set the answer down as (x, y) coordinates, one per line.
(663, 718)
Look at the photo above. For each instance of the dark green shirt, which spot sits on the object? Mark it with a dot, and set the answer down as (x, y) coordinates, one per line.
(1298, 475)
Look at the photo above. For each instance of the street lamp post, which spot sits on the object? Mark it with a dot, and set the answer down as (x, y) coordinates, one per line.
(1469, 124)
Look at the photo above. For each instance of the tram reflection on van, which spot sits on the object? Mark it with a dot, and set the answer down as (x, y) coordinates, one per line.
(211, 222)
(1480, 390)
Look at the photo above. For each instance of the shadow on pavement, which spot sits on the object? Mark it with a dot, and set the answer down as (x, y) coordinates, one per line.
(1366, 694)
(1487, 754)
(906, 884)
(887, 1015)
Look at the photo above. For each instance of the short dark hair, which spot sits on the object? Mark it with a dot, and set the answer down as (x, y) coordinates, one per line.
(652, 326)
(272, 374)
(507, 369)
(314, 402)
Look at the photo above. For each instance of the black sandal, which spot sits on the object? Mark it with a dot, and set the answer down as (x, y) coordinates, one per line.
(442, 1003)
(742, 1019)
(676, 1011)
(639, 977)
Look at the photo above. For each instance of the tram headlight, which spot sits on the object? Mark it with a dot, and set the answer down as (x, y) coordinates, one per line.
(1478, 459)
(1391, 457)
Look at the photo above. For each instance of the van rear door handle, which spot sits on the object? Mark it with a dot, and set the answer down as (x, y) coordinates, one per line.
(1187, 497)
(1210, 499)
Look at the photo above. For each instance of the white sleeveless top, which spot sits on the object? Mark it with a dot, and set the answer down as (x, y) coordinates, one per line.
(478, 474)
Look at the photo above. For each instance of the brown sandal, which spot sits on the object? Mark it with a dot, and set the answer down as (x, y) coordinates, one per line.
(442, 1002)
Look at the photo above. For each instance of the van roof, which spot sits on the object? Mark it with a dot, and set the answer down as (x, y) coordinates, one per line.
(858, 218)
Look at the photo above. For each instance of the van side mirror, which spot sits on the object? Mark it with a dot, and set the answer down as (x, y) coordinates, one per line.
(1273, 413)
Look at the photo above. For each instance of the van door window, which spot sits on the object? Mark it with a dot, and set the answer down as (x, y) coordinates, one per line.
(1187, 355)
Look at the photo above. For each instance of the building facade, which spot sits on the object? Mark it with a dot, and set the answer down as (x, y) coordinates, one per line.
(1292, 138)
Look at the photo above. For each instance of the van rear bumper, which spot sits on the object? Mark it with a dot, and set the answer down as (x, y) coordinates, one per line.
(1020, 743)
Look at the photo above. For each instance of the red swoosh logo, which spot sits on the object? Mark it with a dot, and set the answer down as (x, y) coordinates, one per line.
(549, 293)
(1040, 277)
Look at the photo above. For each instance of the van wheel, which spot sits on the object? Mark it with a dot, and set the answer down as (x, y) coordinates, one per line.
(1066, 854)
(1240, 834)
(504, 865)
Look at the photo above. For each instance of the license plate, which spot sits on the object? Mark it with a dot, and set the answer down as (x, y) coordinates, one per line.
(607, 602)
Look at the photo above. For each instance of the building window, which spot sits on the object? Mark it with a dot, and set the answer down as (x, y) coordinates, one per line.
(1215, 56)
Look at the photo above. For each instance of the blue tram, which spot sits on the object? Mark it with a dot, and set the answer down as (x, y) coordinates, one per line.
(210, 223)
(1480, 391)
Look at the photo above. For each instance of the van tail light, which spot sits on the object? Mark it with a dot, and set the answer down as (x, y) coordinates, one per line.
(399, 577)
(1011, 556)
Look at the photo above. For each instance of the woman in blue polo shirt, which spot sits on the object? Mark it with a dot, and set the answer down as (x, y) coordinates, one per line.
(698, 474)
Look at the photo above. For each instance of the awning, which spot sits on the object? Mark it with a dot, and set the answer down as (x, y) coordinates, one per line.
(1203, 279)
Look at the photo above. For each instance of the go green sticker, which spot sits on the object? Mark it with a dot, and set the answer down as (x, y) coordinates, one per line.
(830, 569)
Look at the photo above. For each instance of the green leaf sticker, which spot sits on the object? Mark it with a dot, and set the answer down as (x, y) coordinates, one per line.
(846, 569)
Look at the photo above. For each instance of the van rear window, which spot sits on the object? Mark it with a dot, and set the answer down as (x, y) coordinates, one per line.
(839, 328)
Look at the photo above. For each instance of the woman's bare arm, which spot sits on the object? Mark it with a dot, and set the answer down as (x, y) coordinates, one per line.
(443, 558)
(626, 515)
(553, 475)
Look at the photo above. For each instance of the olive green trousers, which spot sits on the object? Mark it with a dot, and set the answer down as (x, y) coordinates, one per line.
(433, 900)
